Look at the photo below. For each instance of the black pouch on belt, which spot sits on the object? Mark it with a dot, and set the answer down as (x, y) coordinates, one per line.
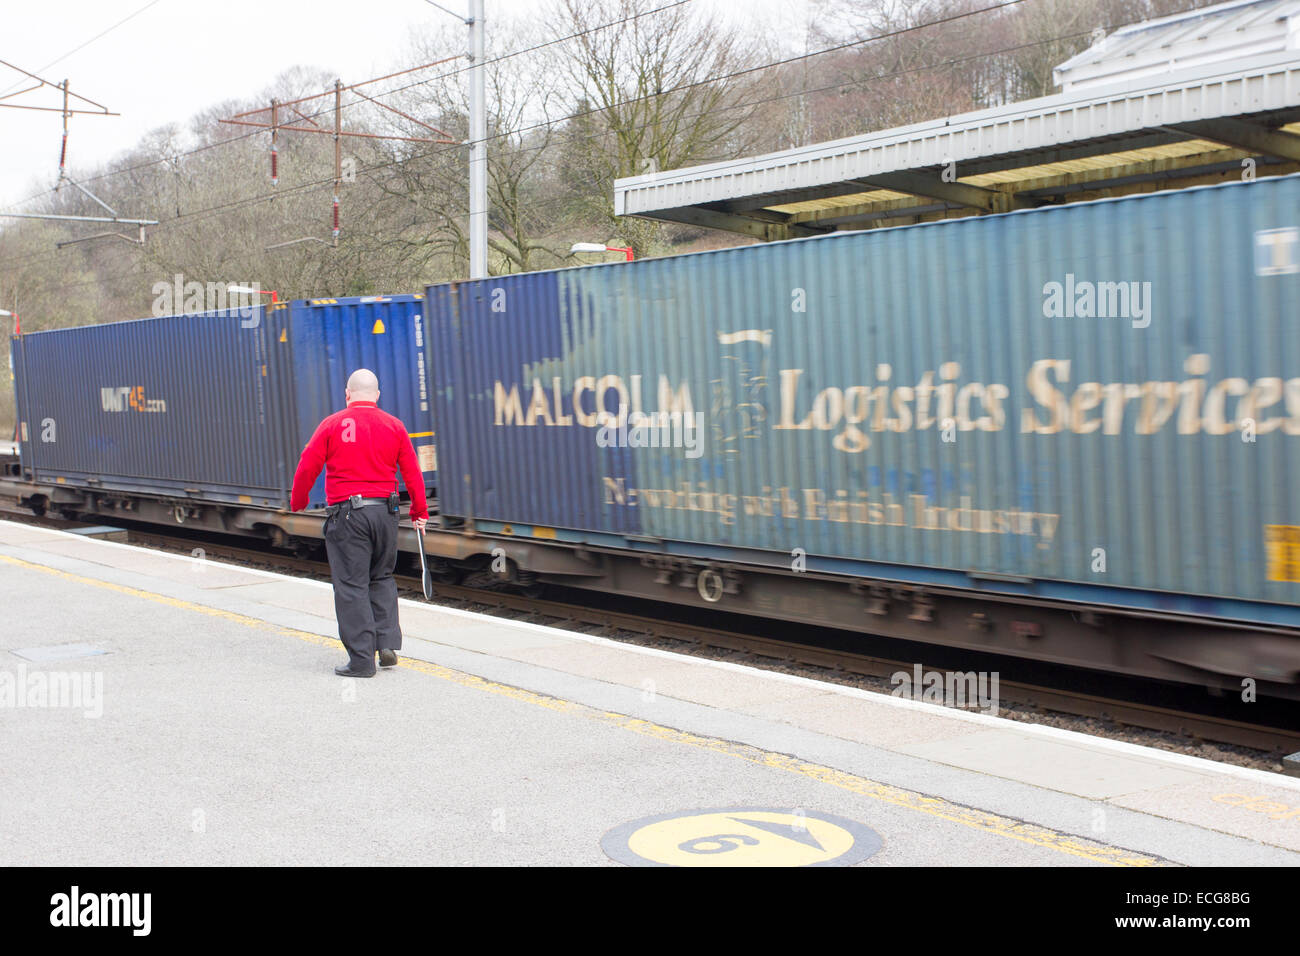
(394, 502)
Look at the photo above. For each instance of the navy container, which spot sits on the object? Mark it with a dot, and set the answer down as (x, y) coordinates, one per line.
(189, 406)
(1095, 402)
(331, 338)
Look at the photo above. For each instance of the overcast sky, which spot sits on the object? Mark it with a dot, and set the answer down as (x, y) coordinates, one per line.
(173, 58)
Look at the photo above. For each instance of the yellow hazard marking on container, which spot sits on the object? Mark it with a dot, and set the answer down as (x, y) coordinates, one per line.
(379, 327)
(1008, 827)
(540, 532)
(419, 434)
(284, 335)
(1282, 546)
(741, 836)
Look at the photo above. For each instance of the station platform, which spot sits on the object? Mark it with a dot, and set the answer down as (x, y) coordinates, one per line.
(160, 709)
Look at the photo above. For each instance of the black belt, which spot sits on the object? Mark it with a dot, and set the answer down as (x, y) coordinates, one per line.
(355, 503)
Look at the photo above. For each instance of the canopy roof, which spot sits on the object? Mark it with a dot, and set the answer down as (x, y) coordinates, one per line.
(1121, 125)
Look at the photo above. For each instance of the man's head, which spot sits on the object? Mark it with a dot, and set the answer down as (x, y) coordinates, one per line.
(363, 386)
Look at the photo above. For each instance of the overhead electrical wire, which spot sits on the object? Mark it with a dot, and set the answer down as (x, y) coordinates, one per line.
(310, 186)
(57, 60)
(1004, 4)
(866, 81)
(424, 82)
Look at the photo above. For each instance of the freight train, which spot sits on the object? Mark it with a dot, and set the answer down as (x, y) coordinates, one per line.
(1068, 434)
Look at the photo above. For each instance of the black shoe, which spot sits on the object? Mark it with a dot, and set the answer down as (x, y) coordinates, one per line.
(387, 657)
(347, 671)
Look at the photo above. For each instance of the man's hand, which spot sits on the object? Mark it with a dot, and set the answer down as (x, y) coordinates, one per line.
(419, 523)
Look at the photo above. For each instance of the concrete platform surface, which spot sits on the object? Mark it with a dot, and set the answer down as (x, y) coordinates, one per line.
(159, 709)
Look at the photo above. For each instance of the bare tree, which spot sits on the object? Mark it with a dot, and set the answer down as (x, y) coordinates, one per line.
(651, 93)
(426, 190)
(922, 59)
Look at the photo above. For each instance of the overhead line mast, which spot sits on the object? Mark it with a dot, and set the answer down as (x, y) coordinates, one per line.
(478, 206)
(67, 110)
(273, 123)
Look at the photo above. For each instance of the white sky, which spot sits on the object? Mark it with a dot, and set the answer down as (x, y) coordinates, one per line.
(178, 57)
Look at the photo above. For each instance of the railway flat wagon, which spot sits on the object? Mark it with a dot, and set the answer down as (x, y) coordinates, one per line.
(1094, 403)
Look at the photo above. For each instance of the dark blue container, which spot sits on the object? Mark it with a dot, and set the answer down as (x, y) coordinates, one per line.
(188, 406)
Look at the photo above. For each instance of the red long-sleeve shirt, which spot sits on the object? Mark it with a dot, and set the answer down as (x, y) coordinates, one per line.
(361, 449)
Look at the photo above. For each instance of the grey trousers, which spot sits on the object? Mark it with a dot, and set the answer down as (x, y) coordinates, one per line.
(362, 548)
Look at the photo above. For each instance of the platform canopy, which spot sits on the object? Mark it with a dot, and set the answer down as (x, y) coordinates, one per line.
(1168, 103)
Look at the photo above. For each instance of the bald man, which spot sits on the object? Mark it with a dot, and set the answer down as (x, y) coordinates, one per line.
(361, 449)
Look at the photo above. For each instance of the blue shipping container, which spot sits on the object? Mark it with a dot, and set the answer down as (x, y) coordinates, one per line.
(331, 338)
(1095, 402)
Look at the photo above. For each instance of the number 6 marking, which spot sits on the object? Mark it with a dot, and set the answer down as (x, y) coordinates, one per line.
(723, 843)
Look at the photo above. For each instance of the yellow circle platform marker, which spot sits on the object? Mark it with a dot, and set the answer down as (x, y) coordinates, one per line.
(741, 836)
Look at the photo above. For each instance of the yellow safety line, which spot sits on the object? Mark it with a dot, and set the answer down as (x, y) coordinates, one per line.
(908, 799)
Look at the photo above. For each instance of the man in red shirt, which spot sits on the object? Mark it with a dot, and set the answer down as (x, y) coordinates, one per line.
(361, 448)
